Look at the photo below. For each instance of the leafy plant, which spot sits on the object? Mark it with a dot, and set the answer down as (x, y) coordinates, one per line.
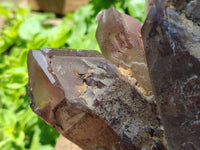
(20, 128)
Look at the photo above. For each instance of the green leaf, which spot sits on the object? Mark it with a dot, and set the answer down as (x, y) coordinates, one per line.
(40, 41)
(4, 12)
(136, 9)
(29, 29)
(58, 35)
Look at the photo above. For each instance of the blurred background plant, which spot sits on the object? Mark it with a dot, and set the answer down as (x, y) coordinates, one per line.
(23, 30)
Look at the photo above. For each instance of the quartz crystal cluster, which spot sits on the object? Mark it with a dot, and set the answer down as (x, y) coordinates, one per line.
(141, 93)
(88, 100)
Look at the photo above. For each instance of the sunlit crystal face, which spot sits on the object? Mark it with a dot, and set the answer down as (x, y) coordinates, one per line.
(119, 38)
(80, 78)
(86, 82)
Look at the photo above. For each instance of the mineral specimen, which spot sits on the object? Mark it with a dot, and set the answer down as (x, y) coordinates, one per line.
(171, 36)
(91, 102)
(119, 38)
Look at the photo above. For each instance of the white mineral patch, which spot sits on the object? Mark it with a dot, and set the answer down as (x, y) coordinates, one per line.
(193, 31)
(171, 99)
(107, 81)
(191, 78)
(46, 50)
(139, 64)
(58, 68)
(195, 50)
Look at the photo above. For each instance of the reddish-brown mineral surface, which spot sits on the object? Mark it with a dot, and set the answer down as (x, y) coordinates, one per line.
(58, 85)
(171, 36)
(119, 38)
(89, 101)
(64, 144)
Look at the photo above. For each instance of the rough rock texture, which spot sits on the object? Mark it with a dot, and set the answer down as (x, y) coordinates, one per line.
(89, 101)
(119, 38)
(171, 36)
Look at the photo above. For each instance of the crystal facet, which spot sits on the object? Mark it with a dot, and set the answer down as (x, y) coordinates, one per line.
(89, 101)
(119, 38)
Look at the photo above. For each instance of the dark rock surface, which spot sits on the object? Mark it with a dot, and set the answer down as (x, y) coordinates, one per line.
(171, 37)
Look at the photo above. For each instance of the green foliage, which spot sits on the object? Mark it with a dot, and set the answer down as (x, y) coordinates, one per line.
(20, 128)
(136, 9)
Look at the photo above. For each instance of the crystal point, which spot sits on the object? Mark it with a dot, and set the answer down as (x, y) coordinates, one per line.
(62, 103)
(90, 102)
(119, 38)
